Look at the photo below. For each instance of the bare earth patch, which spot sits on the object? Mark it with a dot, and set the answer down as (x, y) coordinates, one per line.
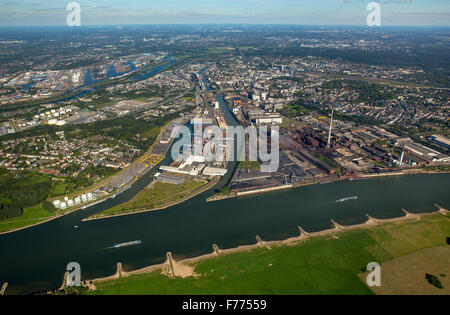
(179, 270)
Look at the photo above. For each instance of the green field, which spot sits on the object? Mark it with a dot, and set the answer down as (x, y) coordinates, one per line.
(156, 195)
(152, 132)
(30, 216)
(142, 99)
(320, 265)
(406, 274)
(59, 190)
(249, 165)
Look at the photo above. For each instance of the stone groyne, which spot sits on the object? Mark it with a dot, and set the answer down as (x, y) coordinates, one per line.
(184, 268)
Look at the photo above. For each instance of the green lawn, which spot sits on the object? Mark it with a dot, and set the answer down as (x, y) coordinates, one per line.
(249, 165)
(30, 216)
(59, 190)
(152, 132)
(156, 195)
(321, 265)
(142, 99)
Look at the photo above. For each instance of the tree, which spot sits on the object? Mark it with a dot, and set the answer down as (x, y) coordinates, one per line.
(433, 280)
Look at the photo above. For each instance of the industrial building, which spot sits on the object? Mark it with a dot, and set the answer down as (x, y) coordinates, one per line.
(6, 130)
(201, 120)
(440, 140)
(214, 171)
(192, 166)
(260, 117)
(420, 154)
(169, 179)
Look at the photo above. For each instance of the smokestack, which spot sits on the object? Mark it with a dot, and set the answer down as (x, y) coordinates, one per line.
(402, 156)
(331, 127)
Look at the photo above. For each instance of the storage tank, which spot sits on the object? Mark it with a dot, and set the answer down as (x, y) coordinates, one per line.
(83, 197)
(63, 205)
(77, 200)
(57, 203)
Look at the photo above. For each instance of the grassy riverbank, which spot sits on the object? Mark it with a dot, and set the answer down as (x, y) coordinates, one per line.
(328, 264)
(38, 214)
(157, 195)
(30, 216)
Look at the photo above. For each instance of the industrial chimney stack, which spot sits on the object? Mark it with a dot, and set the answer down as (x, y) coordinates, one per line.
(331, 127)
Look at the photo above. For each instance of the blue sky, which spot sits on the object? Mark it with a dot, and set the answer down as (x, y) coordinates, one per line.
(305, 12)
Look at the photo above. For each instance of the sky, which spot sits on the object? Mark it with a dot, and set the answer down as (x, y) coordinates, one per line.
(303, 12)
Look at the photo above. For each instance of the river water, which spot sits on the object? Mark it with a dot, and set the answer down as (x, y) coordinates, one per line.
(36, 258)
(111, 74)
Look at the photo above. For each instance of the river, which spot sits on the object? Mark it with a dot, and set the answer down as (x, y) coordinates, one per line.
(89, 84)
(36, 258)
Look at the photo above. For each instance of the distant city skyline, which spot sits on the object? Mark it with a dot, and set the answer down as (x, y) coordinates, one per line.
(322, 12)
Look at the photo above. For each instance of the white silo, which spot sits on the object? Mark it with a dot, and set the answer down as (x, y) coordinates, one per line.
(63, 205)
(57, 204)
(89, 196)
(77, 200)
(70, 203)
(83, 197)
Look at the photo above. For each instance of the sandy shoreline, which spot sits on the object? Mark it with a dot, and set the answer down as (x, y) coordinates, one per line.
(184, 268)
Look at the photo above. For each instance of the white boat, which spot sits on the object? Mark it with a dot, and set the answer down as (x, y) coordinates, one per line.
(347, 199)
(132, 243)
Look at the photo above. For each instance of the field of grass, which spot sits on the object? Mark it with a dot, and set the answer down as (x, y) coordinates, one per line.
(249, 165)
(156, 195)
(320, 265)
(59, 190)
(152, 133)
(406, 274)
(30, 216)
(79, 192)
(142, 99)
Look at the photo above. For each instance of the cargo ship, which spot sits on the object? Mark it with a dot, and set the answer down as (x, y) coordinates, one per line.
(132, 243)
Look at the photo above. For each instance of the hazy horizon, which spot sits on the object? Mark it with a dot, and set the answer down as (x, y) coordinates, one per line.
(251, 12)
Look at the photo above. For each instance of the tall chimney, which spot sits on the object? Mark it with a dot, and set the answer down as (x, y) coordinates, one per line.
(331, 126)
